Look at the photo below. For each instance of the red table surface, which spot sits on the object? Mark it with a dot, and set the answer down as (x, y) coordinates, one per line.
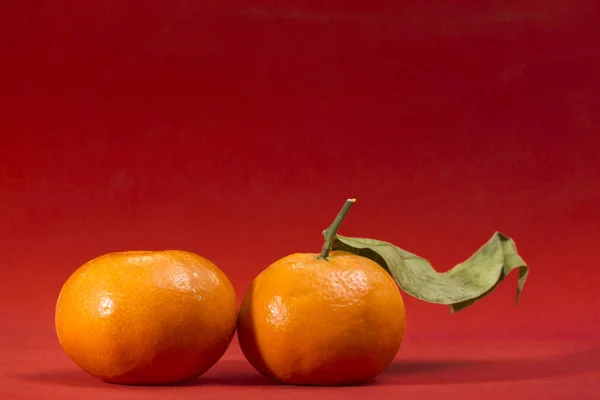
(237, 129)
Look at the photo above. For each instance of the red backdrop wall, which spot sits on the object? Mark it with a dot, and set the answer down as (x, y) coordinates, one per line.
(237, 129)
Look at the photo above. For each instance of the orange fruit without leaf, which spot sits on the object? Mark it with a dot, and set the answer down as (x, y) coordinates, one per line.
(146, 317)
(330, 319)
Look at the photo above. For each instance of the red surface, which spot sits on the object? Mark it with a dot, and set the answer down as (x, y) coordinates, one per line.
(237, 130)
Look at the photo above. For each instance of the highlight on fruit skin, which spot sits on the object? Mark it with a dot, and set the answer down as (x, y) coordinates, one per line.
(333, 318)
(146, 317)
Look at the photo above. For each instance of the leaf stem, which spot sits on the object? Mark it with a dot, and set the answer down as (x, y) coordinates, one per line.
(333, 228)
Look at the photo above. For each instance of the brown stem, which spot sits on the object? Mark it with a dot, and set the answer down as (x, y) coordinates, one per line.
(333, 228)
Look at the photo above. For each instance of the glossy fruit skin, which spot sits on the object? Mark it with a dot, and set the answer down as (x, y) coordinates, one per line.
(309, 321)
(146, 317)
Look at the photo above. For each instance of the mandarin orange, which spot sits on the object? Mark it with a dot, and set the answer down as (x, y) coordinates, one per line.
(331, 319)
(146, 317)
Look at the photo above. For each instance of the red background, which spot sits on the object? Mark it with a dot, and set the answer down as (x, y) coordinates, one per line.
(237, 129)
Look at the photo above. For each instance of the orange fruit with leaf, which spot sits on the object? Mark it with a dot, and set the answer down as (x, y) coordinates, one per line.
(338, 317)
(146, 317)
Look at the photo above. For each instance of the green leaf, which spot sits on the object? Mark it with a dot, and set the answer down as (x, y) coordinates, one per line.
(459, 287)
